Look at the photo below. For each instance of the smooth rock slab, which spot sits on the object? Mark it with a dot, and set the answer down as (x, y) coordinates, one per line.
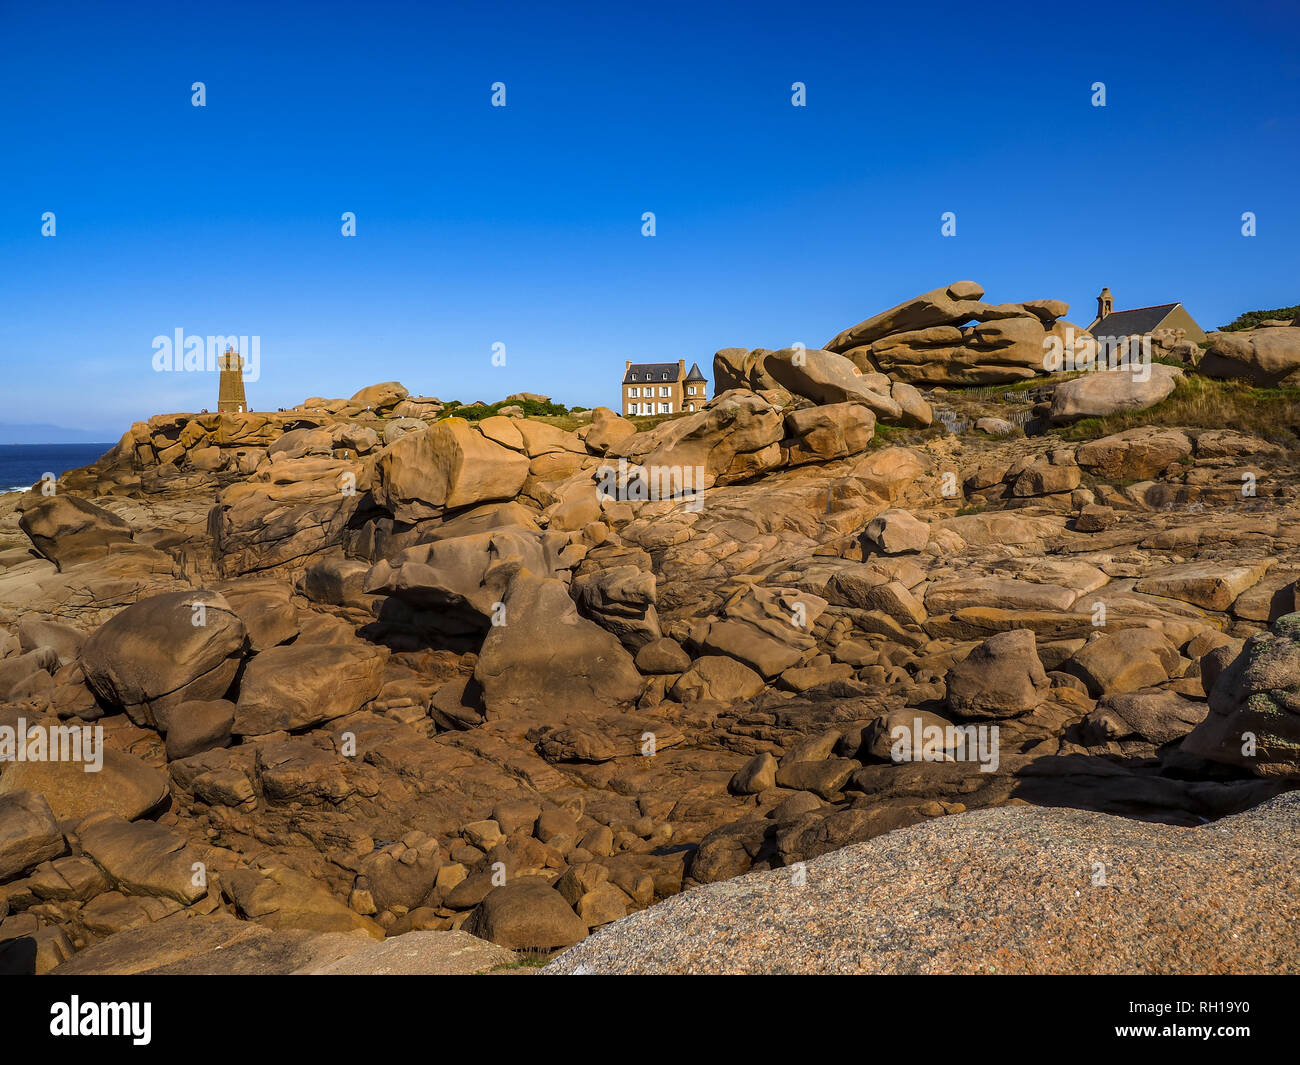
(419, 954)
(1213, 585)
(1006, 890)
(142, 858)
(124, 785)
(182, 945)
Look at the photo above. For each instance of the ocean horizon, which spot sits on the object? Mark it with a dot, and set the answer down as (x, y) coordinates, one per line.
(22, 465)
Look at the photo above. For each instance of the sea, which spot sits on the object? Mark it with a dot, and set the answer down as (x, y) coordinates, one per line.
(22, 465)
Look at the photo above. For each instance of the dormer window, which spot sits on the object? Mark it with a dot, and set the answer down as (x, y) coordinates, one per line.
(665, 377)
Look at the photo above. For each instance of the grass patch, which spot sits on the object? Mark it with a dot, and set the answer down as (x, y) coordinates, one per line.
(901, 436)
(1206, 403)
(528, 960)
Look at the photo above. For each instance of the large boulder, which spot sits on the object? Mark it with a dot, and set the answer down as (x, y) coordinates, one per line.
(927, 340)
(1135, 454)
(526, 914)
(834, 431)
(1254, 718)
(1174, 901)
(616, 588)
(29, 834)
(165, 650)
(767, 629)
(741, 368)
(544, 661)
(1267, 357)
(122, 785)
(336, 581)
(278, 896)
(142, 858)
(717, 678)
(737, 437)
(266, 609)
(952, 304)
(64, 640)
(299, 685)
(606, 430)
(897, 531)
(1095, 395)
(195, 727)
(69, 530)
(465, 577)
(1152, 714)
(826, 377)
(1002, 677)
(445, 467)
(285, 512)
(382, 397)
(1124, 661)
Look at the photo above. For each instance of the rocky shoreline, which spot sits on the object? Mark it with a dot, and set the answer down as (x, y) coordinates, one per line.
(364, 672)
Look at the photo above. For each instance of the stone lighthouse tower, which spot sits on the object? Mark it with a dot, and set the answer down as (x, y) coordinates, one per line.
(230, 396)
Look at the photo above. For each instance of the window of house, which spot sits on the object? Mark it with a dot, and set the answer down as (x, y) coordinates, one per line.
(665, 377)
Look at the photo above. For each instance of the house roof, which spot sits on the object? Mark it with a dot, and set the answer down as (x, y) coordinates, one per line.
(655, 370)
(1137, 322)
(695, 374)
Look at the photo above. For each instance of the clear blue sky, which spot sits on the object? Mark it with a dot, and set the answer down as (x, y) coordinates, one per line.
(522, 225)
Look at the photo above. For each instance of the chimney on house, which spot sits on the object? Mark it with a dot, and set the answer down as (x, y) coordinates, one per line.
(627, 365)
(681, 369)
(1105, 303)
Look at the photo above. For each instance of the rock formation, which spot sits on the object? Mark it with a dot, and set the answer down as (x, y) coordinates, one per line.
(931, 339)
(382, 673)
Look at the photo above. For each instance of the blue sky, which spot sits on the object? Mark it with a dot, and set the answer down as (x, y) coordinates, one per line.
(522, 225)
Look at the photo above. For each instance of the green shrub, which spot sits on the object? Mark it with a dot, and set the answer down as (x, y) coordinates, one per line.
(1251, 319)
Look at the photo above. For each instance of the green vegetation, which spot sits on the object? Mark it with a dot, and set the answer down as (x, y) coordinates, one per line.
(1203, 402)
(530, 407)
(1251, 319)
(527, 960)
